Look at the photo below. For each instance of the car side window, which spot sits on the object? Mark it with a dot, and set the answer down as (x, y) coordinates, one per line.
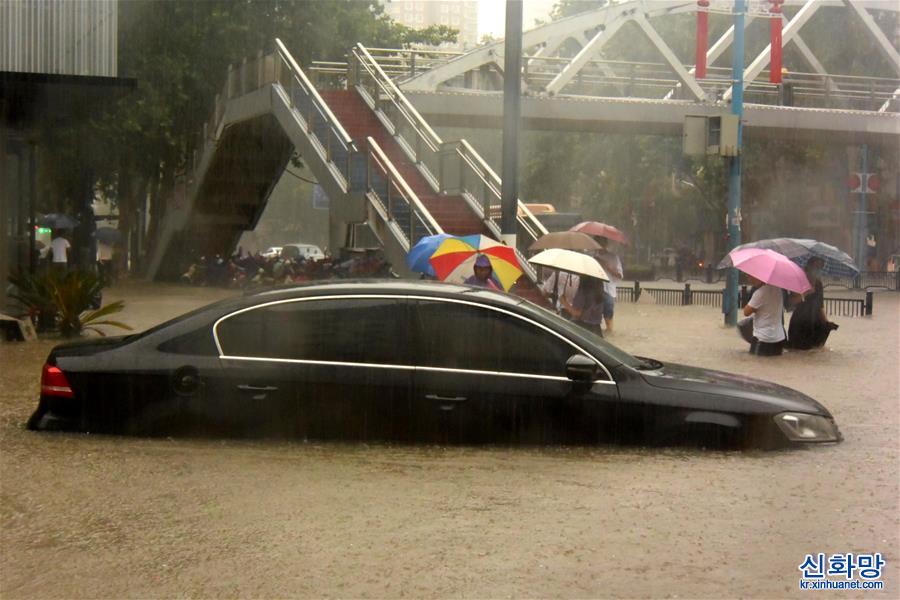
(364, 330)
(463, 336)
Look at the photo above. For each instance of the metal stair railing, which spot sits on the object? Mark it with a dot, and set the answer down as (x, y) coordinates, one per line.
(398, 203)
(399, 116)
(477, 180)
(337, 146)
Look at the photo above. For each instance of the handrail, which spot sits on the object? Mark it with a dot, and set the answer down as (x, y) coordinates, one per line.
(311, 90)
(416, 51)
(469, 158)
(416, 206)
(534, 227)
(388, 85)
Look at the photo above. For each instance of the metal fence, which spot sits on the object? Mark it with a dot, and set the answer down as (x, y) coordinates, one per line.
(844, 307)
(628, 294)
(669, 297)
(889, 280)
(849, 307)
(865, 280)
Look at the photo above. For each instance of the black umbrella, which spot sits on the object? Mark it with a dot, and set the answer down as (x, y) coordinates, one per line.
(57, 221)
(108, 235)
(837, 262)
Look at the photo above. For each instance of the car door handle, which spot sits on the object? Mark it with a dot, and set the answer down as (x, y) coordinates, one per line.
(257, 388)
(446, 398)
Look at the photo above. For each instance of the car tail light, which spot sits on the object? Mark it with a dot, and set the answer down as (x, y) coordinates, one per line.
(54, 383)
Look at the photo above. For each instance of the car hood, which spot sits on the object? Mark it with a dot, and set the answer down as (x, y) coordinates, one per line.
(740, 389)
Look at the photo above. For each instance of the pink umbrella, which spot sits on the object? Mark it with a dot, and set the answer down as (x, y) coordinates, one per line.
(770, 267)
(601, 230)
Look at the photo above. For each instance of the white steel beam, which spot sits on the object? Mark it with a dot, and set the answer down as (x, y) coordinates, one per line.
(570, 26)
(584, 55)
(686, 78)
(564, 28)
(813, 62)
(790, 30)
(884, 45)
(582, 41)
(715, 51)
(887, 104)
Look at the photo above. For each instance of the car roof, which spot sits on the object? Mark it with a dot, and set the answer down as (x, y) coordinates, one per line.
(394, 287)
(341, 287)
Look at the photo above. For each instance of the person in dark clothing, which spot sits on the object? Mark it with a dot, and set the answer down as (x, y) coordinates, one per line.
(586, 307)
(810, 327)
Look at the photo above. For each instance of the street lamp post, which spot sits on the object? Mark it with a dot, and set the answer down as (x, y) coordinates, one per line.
(730, 304)
(512, 91)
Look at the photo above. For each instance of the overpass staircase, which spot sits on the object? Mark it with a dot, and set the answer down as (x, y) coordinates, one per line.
(375, 157)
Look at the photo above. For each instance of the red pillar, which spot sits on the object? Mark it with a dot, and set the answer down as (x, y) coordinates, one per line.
(775, 38)
(702, 38)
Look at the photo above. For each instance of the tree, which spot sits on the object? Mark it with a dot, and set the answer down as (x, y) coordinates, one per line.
(179, 54)
(643, 183)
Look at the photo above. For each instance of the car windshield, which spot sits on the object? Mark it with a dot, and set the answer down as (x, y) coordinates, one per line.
(597, 341)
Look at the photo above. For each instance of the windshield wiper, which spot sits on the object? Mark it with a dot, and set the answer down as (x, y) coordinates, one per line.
(648, 364)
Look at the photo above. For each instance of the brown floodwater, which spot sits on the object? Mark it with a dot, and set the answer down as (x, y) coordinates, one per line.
(104, 516)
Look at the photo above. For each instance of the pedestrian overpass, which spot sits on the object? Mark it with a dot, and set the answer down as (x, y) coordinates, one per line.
(362, 133)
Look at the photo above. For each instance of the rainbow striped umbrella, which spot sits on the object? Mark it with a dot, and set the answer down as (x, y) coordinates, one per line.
(454, 260)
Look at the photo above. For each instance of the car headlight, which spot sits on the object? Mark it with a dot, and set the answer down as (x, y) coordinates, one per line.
(801, 427)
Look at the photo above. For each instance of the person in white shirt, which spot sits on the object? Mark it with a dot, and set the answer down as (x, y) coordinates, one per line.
(59, 248)
(766, 306)
(105, 260)
(564, 288)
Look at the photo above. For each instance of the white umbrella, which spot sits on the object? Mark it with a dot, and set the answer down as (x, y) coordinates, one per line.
(570, 262)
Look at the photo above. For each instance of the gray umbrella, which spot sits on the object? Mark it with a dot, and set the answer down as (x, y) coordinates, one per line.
(568, 240)
(57, 221)
(837, 262)
(108, 235)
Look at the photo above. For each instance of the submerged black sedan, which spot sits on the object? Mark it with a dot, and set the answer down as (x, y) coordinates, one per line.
(406, 361)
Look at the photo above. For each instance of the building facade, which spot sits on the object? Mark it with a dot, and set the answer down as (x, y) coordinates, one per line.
(59, 37)
(461, 15)
(58, 66)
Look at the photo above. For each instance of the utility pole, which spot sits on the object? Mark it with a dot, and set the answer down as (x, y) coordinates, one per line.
(512, 90)
(730, 303)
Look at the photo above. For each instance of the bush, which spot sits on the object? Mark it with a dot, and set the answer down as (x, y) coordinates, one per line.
(68, 297)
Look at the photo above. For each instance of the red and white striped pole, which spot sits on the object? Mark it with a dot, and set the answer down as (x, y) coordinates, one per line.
(775, 39)
(702, 38)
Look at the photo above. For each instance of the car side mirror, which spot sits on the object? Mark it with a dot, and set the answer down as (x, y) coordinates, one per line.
(581, 368)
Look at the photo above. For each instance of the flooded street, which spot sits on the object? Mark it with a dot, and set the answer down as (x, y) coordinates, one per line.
(100, 516)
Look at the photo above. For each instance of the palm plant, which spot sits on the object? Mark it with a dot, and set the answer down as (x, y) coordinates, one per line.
(70, 297)
(73, 295)
(34, 292)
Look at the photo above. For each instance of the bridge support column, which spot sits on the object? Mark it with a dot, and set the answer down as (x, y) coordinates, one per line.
(730, 301)
(512, 109)
(342, 215)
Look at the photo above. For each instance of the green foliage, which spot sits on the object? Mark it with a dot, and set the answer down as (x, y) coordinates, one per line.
(179, 53)
(69, 296)
(643, 183)
(34, 292)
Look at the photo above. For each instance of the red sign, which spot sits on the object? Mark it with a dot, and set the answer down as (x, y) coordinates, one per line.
(863, 183)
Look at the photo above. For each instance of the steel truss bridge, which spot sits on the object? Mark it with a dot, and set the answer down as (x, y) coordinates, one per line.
(365, 128)
(586, 91)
